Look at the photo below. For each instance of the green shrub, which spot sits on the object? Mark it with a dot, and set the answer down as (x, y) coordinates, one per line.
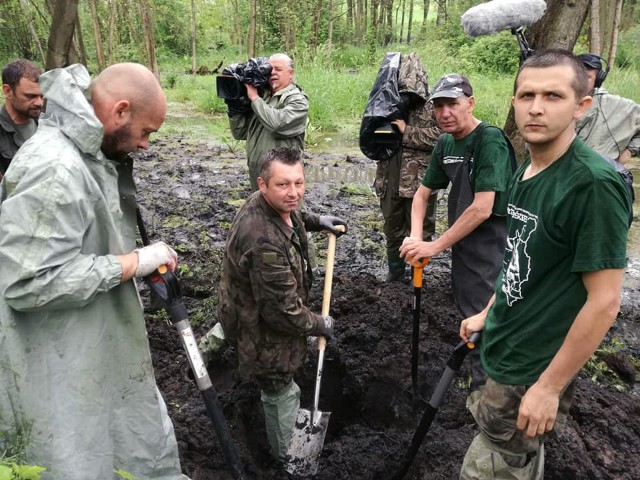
(491, 54)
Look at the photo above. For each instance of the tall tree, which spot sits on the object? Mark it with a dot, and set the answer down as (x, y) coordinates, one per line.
(425, 15)
(97, 35)
(32, 29)
(149, 37)
(193, 37)
(613, 45)
(252, 29)
(63, 23)
(558, 28)
(410, 22)
(595, 33)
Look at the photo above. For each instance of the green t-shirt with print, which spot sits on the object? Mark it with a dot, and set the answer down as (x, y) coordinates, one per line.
(489, 166)
(569, 219)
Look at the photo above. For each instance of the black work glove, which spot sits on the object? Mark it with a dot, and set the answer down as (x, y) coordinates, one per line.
(328, 222)
(237, 106)
(326, 330)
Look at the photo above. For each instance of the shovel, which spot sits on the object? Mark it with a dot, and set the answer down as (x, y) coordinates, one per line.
(418, 265)
(311, 425)
(165, 285)
(453, 366)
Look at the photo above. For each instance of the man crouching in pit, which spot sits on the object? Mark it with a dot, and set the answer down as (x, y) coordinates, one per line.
(264, 291)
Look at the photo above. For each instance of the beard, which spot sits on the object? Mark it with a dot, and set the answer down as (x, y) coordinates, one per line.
(115, 144)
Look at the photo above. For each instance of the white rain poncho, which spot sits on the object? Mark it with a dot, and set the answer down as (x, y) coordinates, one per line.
(76, 377)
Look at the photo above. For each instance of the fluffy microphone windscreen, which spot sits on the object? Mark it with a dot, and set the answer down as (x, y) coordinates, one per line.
(497, 15)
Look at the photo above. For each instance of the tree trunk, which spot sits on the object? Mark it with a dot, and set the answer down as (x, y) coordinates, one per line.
(113, 21)
(358, 22)
(193, 38)
(251, 47)
(61, 35)
(149, 41)
(330, 27)
(97, 35)
(558, 28)
(442, 12)
(316, 26)
(425, 15)
(595, 34)
(410, 22)
(24, 6)
(80, 41)
(613, 46)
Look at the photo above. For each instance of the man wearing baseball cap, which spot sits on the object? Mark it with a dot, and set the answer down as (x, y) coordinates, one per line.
(477, 160)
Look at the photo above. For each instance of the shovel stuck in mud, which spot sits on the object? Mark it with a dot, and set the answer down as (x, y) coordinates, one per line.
(311, 425)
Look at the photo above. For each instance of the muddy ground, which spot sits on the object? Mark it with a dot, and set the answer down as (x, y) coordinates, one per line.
(189, 192)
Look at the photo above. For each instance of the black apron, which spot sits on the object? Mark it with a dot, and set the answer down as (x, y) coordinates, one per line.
(476, 260)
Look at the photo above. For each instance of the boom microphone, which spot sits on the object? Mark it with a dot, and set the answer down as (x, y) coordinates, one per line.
(497, 15)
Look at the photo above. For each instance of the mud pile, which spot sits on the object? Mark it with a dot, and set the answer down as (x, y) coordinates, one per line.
(189, 193)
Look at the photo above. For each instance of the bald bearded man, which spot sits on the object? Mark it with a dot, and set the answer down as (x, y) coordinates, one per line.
(75, 366)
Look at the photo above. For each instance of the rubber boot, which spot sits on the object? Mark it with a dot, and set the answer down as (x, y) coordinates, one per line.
(397, 266)
(280, 412)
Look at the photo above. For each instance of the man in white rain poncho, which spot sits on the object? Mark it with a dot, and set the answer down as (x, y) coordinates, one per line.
(76, 376)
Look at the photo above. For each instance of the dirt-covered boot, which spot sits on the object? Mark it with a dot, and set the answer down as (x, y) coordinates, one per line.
(397, 267)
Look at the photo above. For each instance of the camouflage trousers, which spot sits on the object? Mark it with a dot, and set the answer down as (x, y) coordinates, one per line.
(500, 450)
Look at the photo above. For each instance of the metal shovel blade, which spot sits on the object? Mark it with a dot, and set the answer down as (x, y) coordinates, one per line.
(306, 442)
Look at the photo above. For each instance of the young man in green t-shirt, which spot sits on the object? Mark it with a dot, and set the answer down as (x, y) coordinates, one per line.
(559, 290)
(475, 159)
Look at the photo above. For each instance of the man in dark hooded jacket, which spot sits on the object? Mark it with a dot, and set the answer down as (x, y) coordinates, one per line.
(398, 178)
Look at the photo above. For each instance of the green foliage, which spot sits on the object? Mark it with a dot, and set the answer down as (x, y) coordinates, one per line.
(12, 463)
(491, 54)
(629, 49)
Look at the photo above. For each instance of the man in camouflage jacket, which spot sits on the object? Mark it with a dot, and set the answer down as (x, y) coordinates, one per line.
(264, 290)
(398, 178)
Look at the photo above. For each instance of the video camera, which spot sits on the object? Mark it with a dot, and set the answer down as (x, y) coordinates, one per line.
(230, 84)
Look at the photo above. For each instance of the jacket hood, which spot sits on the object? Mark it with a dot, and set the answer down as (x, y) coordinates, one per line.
(66, 91)
(412, 77)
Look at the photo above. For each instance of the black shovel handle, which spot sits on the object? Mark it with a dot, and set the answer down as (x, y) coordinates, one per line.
(453, 366)
(166, 285)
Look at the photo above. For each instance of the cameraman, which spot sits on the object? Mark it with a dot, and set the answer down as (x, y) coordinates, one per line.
(279, 119)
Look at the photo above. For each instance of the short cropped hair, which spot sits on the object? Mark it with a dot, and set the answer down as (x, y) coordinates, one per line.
(554, 57)
(14, 71)
(286, 155)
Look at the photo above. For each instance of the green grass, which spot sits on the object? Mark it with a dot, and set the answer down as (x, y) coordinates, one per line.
(338, 86)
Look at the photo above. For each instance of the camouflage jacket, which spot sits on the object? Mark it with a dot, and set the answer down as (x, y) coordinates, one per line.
(421, 133)
(264, 288)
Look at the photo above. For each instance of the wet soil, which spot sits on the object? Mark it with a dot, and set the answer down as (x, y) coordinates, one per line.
(189, 192)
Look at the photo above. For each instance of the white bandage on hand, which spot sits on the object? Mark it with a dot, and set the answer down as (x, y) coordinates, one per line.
(153, 256)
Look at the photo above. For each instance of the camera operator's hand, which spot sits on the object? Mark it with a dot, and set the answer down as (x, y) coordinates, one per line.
(252, 92)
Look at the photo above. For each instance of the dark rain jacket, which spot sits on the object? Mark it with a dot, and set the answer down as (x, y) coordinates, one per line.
(10, 140)
(264, 289)
(421, 133)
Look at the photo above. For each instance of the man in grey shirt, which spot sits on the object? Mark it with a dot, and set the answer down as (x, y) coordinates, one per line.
(23, 105)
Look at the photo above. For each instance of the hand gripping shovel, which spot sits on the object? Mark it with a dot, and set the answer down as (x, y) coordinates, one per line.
(311, 425)
(418, 266)
(453, 366)
(165, 284)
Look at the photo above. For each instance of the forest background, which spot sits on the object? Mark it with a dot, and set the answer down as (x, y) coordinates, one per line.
(337, 46)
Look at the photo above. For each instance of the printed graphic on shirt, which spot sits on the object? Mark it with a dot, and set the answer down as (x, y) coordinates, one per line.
(451, 159)
(518, 268)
